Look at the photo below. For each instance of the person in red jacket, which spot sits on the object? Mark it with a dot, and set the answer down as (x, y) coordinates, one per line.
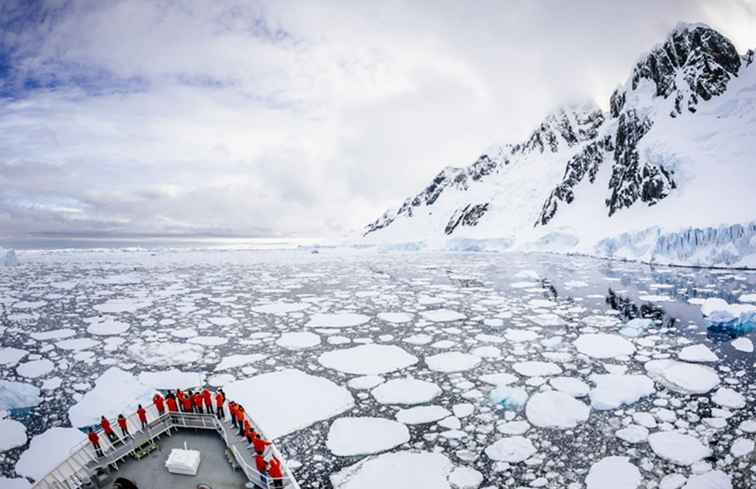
(197, 401)
(260, 444)
(232, 412)
(158, 400)
(207, 399)
(171, 402)
(142, 416)
(105, 424)
(249, 432)
(123, 426)
(276, 473)
(186, 403)
(240, 418)
(181, 398)
(94, 439)
(219, 400)
(262, 468)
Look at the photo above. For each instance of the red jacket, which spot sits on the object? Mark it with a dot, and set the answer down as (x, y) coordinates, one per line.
(207, 398)
(197, 399)
(239, 414)
(232, 409)
(275, 469)
(122, 423)
(260, 462)
(158, 400)
(106, 426)
(171, 404)
(142, 415)
(186, 404)
(94, 439)
(260, 444)
(219, 400)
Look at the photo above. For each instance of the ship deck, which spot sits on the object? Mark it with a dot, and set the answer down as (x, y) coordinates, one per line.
(214, 469)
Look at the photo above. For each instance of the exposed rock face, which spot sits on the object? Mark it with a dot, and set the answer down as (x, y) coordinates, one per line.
(468, 215)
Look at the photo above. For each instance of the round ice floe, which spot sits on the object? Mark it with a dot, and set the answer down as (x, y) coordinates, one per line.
(602, 345)
(418, 339)
(406, 391)
(687, 378)
(122, 305)
(12, 434)
(512, 449)
(570, 385)
(465, 478)
(288, 400)
(442, 315)
(280, 307)
(520, 335)
(697, 353)
(452, 361)
(728, 398)
(107, 327)
(510, 398)
(749, 426)
(236, 361)
(365, 382)
(77, 344)
(11, 356)
(422, 414)
(405, 470)
(536, 368)
(714, 479)
(365, 435)
(499, 379)
(47, 450)
(298, 340)
(35, 368)
(615, 390)
(614, 472)
(486, 352)
(672, 481)
(742, 447)
(337, 320)
(395, 317)
(743, 344)
(513, 427)
(17, 395)
(208, 340)
(370, 359)
(553, 409)
(633, 434)
(678, 448)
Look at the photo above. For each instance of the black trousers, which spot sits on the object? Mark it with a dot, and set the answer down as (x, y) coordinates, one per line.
(221, 414)
(125, 432)
(144, 424)
(98, 450)
(112, 436)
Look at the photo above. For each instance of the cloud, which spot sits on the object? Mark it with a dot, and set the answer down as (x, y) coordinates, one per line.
(288, 118)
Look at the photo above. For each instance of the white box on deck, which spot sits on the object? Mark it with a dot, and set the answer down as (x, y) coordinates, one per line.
(185, 462)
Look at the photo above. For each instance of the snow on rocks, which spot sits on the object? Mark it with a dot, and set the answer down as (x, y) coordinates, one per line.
(677, 447)
(742, 344)
(337, 320)
(47, 450)
(729, 398)
(614, 472)
(534, 368)
(406, 391)
(422, 414)
(280, 308)
(697, 353)
(554, 409)
(298, 340)
(442, 315)
(280, 411)
(452, 362)
(17, 395)
(365, 435)
(603, 345)
(12, 434)
(369, 359)
(35, 368)
(410, 470)
(687, 378)
(511, 449)
(615, 390)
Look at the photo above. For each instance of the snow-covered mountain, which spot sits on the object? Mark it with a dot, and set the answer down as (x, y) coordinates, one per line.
(667, 174)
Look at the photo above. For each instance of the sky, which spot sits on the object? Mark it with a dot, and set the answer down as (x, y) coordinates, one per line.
(289, 119)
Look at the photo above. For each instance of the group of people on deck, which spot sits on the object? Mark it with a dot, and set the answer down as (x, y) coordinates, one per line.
(200, 402)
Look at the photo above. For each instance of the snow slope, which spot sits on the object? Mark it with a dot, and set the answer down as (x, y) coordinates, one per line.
(665, 175)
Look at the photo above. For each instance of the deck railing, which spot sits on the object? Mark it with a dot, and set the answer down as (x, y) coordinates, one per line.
(83, 463)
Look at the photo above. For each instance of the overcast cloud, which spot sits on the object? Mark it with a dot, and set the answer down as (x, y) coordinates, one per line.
(289, 118)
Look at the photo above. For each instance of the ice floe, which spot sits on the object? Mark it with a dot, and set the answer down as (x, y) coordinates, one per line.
(10, 356)
(511, 449)
(603, 346)
(535, 368)
(452, 362)
(633, 434)
(729, 398)
(240, 360)
(280, 307)
(688, 378)
(678, 448)
(697, 353)
(370, 359)
(365, 435)
(422, 414)
(289, 400)
(12, 434)
(442, 315)
(337, 320)
(406, 391)
(615, 472)
(17, 395)
(47, 450)
(570, 385)
(742, 344)
(395, 317)
(615, 390)
(298, 340)
(554, 409)
(410, 470)
(35, 368)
